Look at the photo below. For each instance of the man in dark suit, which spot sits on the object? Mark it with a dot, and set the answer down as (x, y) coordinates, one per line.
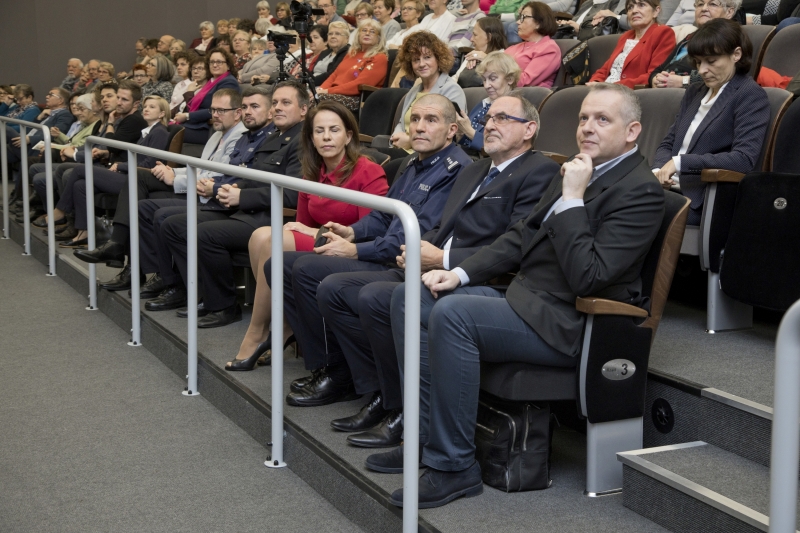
(240, 207)
(587, 236)
(488, 198)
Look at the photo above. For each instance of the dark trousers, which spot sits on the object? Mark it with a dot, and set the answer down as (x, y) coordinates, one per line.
(319, 344)
(356, 307)
(147, 185)
(104, 181)
(154, 255)
(218, 236)
(38, 175)
(458, 331)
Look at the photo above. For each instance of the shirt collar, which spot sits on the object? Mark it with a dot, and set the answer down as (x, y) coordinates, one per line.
(146, 131)
(602, 168)
(421, 166)
(502, 166)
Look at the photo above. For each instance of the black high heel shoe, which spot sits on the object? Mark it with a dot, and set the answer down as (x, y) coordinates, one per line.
(250, 362)
(266, 359)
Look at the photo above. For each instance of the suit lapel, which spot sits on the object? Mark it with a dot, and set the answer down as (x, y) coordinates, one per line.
(464, 190)
(723, 100)
(506, 174)
(686, 121)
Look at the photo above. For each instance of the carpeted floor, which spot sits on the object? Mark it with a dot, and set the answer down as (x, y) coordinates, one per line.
(95, 435)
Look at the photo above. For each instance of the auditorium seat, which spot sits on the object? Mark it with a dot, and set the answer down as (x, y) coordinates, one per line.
(376, 118)
(659, 109)
(565, 45)
(559, 116)
(782, 54)
(760, 36)
(600, 49)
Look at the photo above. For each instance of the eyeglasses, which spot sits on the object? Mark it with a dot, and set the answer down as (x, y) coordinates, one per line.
(361, 15)
(198, 69)
(220, 110)
(501, 118)
(409, 8)
(217, 62)
(54, 95)
(140, 75)
(710, 5)
(336, 33)
(367, 31)
(240, 40)
(522, 18)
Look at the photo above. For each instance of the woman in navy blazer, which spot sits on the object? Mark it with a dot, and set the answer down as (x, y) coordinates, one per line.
(722, 122)
(221, 68)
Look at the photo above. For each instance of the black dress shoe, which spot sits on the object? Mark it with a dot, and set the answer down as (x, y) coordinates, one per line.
(121, 282)
(75, 243)
(322, 391)
(172, 297)
(183, 312)
(111, 253)
(301, 383)
(385, 435)
(41, 221)
(154, 286)
(389, 462)
(369, 416)
(437, 488)
(218, 319)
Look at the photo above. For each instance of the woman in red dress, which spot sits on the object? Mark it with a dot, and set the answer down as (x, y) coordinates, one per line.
(330, 144)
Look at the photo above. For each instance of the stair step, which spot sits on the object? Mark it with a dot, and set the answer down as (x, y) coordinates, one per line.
(696, 486)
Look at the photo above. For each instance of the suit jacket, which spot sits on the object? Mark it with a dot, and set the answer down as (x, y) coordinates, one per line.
(509, 198)
(279, 154)
(157, 138)
(198, 120)
(651, 50)
(223, 155)
(256, 67)
(594, 250)
(730, 136)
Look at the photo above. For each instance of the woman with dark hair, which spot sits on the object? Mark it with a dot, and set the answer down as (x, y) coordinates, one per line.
(537, 55)
(330, 142)
(487, 37)
(641, 49)
(222, 75)
(722, 122)
(224, 43)
(199, 77)
(316, 45)
(160, 72)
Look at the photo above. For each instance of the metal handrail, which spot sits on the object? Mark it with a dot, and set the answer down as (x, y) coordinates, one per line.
(48, 161)
(785, 434)
(277, 183)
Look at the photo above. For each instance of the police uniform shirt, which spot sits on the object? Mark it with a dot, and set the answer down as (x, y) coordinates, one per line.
(242, 155)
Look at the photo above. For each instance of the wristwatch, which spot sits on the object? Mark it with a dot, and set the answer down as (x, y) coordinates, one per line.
(686, 81)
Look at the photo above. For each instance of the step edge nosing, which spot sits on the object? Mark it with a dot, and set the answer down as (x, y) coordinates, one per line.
(731, 400)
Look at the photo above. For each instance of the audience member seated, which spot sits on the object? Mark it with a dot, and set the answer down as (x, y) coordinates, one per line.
(357, 306)
(150, 47)
(508, 10)
(160, 72)
(263, 27)
(440, 22)
(197, 68)
(538, 55)
(241, 48)
(74, 67)
(330, 138)
(245, 25)
(315, 45)
(461, 31)
(582, 23)
(487, 37)
(176, 47)
(429, 59)
(366, 63)
(410, 13)
(26, 108)
(222, 27)
(382, 10)
(139, 73)
(667, 10)
(89, 78)
(232, 26)
(183, 70)
(269, 70)
(371, 244)
(262, 7)
(596, 248)
(206, 41)
(257, 64)
(364, 11)
(329, 7)
(164, 44)
(224, 43)
(730, 137)
(240, 206)
(337, 47)
(283, 14)
(140, 54)
(639, 50)
(500, 74)
(219, 65)
(56, 114)
(7, 102)
(106, 72)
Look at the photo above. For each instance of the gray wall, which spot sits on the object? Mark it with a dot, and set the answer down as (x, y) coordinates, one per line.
(37, 37)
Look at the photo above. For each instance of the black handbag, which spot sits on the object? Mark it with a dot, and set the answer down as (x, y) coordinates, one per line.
(608, 26)
(512, 442)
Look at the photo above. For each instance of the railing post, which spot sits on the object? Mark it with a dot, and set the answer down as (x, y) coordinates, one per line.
(785, 433)
(90, 237)
(4, 162)
(191, 283)
(51, 225)
(276, 218)
(133, 199)
(26, 209)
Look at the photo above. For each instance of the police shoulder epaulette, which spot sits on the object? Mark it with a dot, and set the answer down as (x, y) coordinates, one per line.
(451, 163)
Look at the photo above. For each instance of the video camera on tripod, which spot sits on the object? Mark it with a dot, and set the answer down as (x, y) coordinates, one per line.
(301, 15)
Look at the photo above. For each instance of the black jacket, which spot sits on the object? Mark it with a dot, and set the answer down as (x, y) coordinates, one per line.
(319, 79)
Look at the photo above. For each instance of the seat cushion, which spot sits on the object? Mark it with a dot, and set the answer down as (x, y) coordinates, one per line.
(526, 382)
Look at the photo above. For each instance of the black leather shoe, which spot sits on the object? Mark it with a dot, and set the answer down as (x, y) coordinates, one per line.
(75, 243)
(111, 253)
(323, 391)
(301, 383)
(385, 435)
(121, 281)
(183, 312)
(218, 319)
(68, 234)
(437, 488)
(249, 363)
(369, 416)
(389, 462)
(41, 221)
(154, 286)
(172, 297)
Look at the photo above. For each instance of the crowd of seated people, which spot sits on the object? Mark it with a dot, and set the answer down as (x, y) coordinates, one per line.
(344, 265)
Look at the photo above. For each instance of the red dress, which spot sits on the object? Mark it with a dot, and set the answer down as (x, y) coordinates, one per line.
(314, 211)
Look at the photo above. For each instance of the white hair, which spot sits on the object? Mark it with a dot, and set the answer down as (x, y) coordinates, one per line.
(80, 63)
(207, 25)
(85, 100)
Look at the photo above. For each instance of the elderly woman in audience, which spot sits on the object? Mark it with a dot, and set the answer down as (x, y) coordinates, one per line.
(430, 60)
(337, 47)
(222, 71)
(262, 7)
(487, 37)
(258, 64)
(411, 14)
(106, 72)
(382, 10)
(175, 47)
(26, 108)
(241, 48)
(315, 46)
(160, 71)
(730, 137)
(330, 142)
(139, 73)
(538, 55)
(222, 27)
(206, 40)
(366, 63)
(639, 50)
(500, 74)
(263, 27)
(364, 11)
(199, 77)
(183, 67)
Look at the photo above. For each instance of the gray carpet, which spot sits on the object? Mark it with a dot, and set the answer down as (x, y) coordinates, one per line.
(97, 437)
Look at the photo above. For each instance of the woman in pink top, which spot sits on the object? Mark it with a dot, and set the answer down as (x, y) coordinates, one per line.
(537, 55)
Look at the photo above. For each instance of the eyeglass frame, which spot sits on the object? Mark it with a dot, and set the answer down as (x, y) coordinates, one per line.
(712, 3)
(221, 110)
(217, 62)
(521, 18)
(487, 117)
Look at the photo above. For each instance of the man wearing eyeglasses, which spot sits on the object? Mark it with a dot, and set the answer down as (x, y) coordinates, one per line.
(488, 198)
(74, 67)
(329, 7)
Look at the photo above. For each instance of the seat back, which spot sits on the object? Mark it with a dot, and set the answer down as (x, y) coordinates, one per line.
(559, 121)
(175, 140)
(779, 101)
(475, 95)
(659, 109)
(376, 118)
(565, 45)
(375, 155)
(391, 55)
(785, 155)
(781, 54)
(600, 49)
(535, 95)
(760, 36)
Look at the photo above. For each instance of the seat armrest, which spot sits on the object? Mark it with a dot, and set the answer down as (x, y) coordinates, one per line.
(562, 15)
(463, 50)
(639, 86)
(289, 212)
(365, 138)
(558, 158)
(368, 88)
(601, 306)
(717, 175)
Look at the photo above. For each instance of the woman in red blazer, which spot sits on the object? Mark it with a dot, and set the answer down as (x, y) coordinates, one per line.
(641, 49)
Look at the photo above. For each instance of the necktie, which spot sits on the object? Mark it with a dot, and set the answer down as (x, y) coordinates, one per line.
(489, 177)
